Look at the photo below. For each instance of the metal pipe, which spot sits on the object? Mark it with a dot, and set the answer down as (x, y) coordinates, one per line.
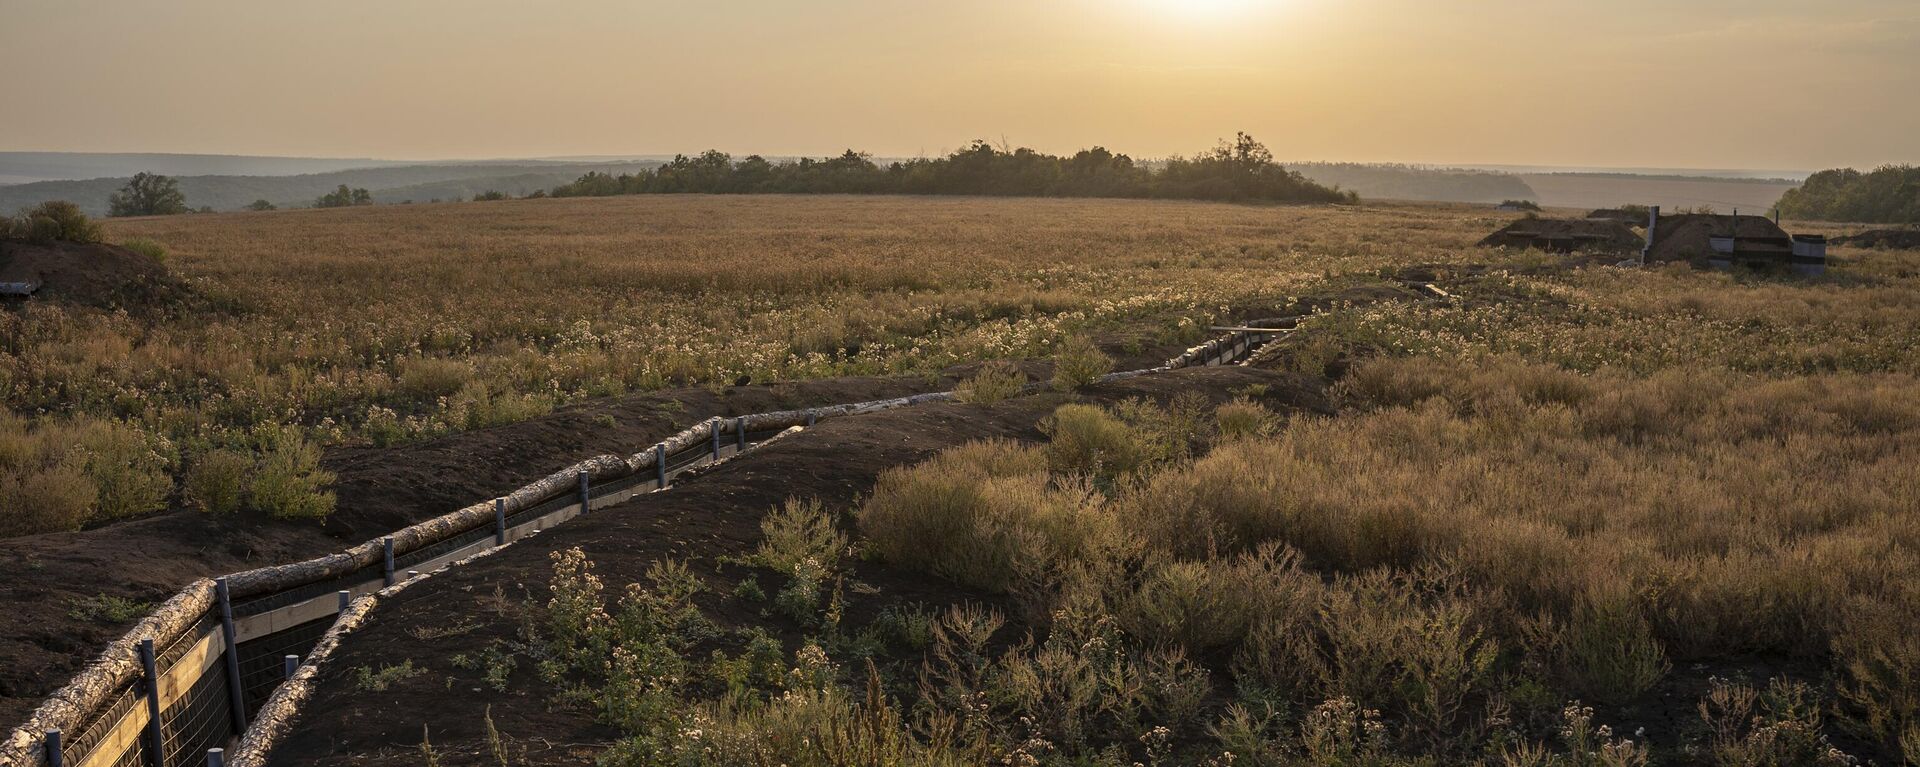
(499, 521)
(346, 598)
(586, 497)
(386, 544)
(216, 757)
(740, 433)
(660, 463)
(55, 756)
(290, 664)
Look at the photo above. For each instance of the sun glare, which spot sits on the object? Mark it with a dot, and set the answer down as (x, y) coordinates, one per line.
(1206, 10)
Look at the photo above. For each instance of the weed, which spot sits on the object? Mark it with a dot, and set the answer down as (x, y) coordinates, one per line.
(105, 608)
(368, 679)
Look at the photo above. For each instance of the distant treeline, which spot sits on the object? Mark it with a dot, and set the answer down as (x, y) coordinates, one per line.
(1889, 195)
(1239, 170)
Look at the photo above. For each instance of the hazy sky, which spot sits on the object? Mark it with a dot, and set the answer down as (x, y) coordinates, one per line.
(1778, 84)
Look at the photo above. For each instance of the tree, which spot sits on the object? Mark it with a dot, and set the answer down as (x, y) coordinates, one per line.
(344, 197)
(148, 194)
(261, 204)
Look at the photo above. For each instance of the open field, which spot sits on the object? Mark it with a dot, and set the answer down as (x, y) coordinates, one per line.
(399, 323)
(1576, 515)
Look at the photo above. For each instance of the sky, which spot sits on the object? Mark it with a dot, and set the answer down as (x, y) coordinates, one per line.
(1760, 84)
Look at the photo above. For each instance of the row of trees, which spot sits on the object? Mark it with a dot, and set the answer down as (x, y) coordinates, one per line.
(1239, 170)
(1888, 195)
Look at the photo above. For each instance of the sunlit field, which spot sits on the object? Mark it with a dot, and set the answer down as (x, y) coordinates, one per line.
(396, 323)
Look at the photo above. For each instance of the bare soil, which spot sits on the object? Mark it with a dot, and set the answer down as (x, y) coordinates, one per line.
(93, 274)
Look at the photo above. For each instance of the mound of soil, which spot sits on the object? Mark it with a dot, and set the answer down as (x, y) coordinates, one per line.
(1566, 236)
(89, 274)
(1894, 239)
(707, 520)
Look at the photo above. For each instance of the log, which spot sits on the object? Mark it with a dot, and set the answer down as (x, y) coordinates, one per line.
(69, 708)
(282, 708)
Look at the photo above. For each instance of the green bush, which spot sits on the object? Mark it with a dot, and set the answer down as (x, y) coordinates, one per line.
(994, 382)
(52, 221)
(1079, 363)
(217, 481)
(289, 483)
(1088, 440)
(129, 470)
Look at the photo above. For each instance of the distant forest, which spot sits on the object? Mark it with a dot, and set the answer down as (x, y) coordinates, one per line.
(1889, 195)
(1239, 170)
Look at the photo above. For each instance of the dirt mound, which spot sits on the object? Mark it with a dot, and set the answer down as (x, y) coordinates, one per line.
(92, 274)
(1894, 239)
(1560, 235)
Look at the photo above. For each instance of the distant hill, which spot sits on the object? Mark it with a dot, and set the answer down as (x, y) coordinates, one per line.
(389, 184)
(28, 167)
(1410, 182)
(1610, 190)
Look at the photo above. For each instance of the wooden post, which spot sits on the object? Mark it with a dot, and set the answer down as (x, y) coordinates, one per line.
(586, 498)
(386, 544)
(499, 521)
(156, 739)
(236, 695)
(55, 757)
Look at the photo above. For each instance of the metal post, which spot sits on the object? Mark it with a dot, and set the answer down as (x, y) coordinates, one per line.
(660, 462)
(810, 418)
(713, 430)
(387, 544)
(149, 668)
(236, 695)
(291, 664)
(346, 598)
(586, 497)
(412, 574)
(216, 757)
(499, 521)
(740, 433)
(55, 757)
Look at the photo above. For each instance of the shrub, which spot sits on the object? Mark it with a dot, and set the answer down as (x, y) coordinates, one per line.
(53, 221)
(1609, 651)
(994, 382)
(987, 515)
(128, 470)
(217, 481)
(1241, 419)
(289, 483)
(799, 540)
(1086, 439)
(1078, 363)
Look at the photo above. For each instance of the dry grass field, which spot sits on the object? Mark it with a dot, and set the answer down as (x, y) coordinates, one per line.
(397, 323)
(1575, 515)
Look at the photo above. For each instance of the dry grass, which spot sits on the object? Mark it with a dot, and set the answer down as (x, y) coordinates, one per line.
(393, 323)
(1467, 543)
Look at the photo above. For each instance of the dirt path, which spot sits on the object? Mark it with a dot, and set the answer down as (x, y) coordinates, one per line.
(702, 521)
